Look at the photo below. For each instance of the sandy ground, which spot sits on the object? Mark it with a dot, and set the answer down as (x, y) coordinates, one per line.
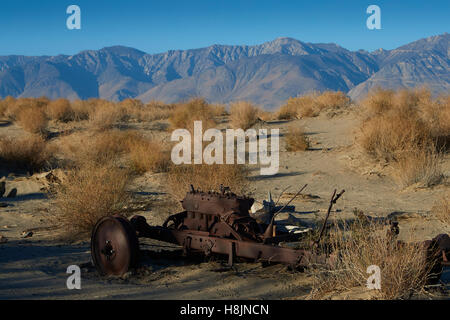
(35, 267)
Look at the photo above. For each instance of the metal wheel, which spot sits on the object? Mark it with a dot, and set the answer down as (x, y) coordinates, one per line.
(114, 246)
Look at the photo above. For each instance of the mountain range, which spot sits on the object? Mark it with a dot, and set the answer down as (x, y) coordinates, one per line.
(266, 74)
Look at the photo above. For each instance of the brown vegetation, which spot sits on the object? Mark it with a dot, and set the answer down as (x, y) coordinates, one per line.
(88, 193)
(362, 244)
(243, 115)
(185, 114)
(408, 129)
(16, 106)
(311, 105)
(118, 147)
(296, 139)
(421, 168)
(60, 110)
(152, 111)
(442, 209)
(147, 155)
(33, 120)
(105, 115)
(30, 153)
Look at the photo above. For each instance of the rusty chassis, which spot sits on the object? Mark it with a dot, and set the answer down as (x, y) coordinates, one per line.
(219, 223)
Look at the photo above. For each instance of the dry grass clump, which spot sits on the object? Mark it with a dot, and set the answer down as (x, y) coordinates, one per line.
(243, 115)
(408, 129)
(331, 100)
(88, 193)
(117, 147)
(296, 139)
(97, 148)
(385, 136)
(60, 110)
(185, 114)
(289, 110)
(311, 105)
(412, 117)
(219, 110)
(29, 153)
(80, 109)
(33, 120)
(206, 177)
(378, 101)
(266, 115)
(147, 155)
(403, 266)
(421, 168)
(104, 114)
(5, 104)
(16, 106)
(152, 111)
(442, 209)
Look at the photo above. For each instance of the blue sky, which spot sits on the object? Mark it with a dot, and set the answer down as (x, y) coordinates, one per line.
(39, 27)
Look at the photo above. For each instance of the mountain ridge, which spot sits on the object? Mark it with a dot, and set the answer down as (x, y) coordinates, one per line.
(266, 74)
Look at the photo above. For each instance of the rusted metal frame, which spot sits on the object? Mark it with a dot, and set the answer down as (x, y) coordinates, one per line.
(203, 241)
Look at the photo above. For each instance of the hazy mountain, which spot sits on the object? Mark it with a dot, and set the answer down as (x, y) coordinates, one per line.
(266, 74)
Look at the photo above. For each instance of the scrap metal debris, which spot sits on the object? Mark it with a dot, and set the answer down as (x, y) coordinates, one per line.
(220, 223)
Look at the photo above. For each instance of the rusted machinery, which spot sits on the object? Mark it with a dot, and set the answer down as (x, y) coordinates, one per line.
(212, 223)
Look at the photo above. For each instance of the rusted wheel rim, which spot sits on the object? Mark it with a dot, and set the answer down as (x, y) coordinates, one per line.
(114, 246)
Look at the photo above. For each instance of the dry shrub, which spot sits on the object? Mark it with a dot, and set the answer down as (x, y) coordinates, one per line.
(436, 114)
(147, 155)
(219, 110)
(60, 110)
(33, 120)
(117, 147)
(413, 111)
(100, 147)
(287, 111)
(5, 104)
(130, 105)
(331, 100)
(442, 209)
(304, 106)
(206, 177)
(243, 115)
(106, 146)
(311, 105)
(185, 114)
(18, 105)
(153, 111)
(404, 270)
(133, 108)
(378, 101)
(387, 135)
(88, 193)
(421, 167)
(266, 115)
(30, 153)
(296, 139)
(408, 129)
(104, 114)
(81, 110)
